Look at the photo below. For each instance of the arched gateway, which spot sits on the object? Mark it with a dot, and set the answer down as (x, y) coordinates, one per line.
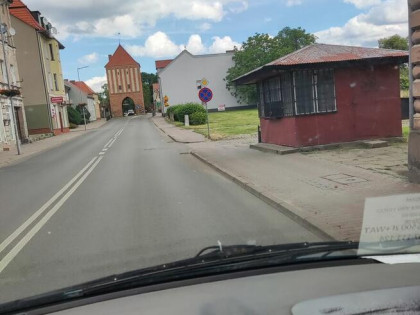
(124, 83)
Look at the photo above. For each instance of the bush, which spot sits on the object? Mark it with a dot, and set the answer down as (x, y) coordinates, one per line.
(198, 118)
(188, 109)
(86, 114)
(74, 116)
(171, 109)
(73, 126)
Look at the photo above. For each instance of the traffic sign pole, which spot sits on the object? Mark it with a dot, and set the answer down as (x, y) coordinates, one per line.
(208, 126)
(205, 95)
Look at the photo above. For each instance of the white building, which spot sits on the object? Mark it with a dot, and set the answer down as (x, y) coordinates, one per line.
(79, 93)
(178, 78)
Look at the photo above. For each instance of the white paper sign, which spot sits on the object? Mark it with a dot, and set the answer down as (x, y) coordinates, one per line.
(392, 218)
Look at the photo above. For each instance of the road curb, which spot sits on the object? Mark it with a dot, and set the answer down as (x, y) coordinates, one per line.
(174, 139)
(161, 129)
(282, 206)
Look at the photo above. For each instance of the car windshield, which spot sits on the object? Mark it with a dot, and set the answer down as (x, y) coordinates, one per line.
(137, 133)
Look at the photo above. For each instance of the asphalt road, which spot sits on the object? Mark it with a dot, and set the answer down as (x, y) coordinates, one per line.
(120, 198)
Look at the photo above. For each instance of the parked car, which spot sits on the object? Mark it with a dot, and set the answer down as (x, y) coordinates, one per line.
(130, 112)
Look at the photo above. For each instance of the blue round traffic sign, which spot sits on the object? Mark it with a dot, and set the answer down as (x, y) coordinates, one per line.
(205, 95)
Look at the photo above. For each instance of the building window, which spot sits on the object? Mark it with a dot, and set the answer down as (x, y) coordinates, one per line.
(51, 52)
(119, 87)
(129, 86)
(56, 81)
(297, 93)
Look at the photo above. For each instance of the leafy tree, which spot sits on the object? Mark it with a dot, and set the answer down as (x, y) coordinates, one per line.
(400, 43)
(148, 80)
(84, 113)
(394, 42)
(259, 50)
(148, 97)
(74, 116)
(104, 96)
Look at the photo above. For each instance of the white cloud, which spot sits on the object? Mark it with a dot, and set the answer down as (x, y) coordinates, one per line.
(195, 45)
(363, 3)
(205, 27)
(129, 17)
(291, 3)
(267, 19)
(239, 7)
(96, 83)
(381, 20)
(222, 44)
(89, 59)
(159, 45)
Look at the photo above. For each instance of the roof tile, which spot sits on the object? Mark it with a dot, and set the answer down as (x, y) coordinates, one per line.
(121, 58)
(19, 10)
(160, 64)
(322, 53)
(83, 86)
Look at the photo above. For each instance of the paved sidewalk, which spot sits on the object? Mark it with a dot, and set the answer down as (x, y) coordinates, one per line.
(92, 125)
(28, 150)
(324, 196)
(175, 133)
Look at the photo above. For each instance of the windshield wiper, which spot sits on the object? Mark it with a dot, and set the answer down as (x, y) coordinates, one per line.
(211, 260)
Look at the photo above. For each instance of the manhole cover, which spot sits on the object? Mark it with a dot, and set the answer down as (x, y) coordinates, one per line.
(345, 179)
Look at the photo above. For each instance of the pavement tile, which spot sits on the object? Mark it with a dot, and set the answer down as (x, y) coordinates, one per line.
(299, 183)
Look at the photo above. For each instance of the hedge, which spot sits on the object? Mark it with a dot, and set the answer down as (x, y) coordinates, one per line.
(171, 109)
(188, 109)
(198, 118)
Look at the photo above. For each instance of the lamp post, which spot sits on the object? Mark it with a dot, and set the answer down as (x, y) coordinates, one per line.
(3, 29)
(83, 107)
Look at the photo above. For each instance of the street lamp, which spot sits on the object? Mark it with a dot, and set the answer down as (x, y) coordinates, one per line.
(83, 107)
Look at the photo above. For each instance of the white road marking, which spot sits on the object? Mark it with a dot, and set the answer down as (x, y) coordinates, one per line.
(33, 217)
(19, 246)
(101, 153)
(107, 143)
(112, 142)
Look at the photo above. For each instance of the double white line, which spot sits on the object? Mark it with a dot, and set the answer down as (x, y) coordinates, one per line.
(83, 174)
(71, 186)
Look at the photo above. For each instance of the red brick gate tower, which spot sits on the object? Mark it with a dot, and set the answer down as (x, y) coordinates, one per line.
(124, 82)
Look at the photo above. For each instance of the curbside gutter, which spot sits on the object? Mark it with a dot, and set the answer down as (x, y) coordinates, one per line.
(282, 206)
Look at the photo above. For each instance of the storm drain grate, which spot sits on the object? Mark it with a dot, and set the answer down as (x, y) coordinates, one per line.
(345, 179)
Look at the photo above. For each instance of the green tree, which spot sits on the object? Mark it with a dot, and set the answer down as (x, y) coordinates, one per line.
(399, 43)
(148, 79)
(147, 96)
(394, 42)
(259, 50)
(104, 96)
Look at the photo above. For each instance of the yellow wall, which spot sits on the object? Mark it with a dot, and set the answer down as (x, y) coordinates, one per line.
(55, 65)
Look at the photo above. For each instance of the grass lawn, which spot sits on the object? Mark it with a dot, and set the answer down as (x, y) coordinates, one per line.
(406, 131)
(229, 123)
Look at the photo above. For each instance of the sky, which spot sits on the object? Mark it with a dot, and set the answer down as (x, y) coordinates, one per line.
(151, 30)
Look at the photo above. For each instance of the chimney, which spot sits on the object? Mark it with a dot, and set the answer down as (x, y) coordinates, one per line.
(109, 57)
